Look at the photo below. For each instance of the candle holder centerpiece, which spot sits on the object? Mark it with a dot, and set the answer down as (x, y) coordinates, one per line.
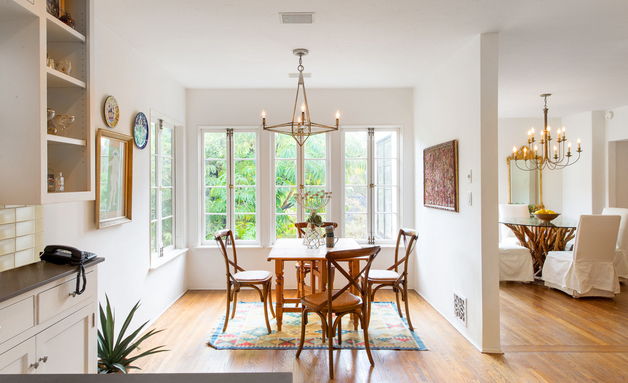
(314, 202)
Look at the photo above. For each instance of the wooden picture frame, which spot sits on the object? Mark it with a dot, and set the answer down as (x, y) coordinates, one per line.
(440, 176)
(114, 178)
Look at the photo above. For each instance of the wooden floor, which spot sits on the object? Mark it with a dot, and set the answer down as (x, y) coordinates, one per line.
(546, 336)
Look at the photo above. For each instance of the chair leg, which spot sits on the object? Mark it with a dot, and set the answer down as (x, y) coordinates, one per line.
(312, 278)
(303, 324)
(264, 301)
(396, 290)
(235, 302)
(224, 328)
(300, 276)
(366, 339)
(330, 338)
(339, 331)
(405, 298)
(270, 299)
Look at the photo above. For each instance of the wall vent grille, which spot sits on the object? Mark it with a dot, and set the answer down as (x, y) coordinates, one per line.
(460, 308)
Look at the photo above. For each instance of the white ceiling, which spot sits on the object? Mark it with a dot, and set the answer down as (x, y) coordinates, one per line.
(575, 49)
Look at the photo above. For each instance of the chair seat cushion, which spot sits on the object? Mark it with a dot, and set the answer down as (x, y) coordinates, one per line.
(383, 275)
(345, 300)
(252, 276)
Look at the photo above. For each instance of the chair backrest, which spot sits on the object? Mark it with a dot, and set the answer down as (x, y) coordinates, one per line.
(622, 237)
(515, 211)
(224, 240)
(409, 238)
(337, 259)
(301, 226)
(596, 237)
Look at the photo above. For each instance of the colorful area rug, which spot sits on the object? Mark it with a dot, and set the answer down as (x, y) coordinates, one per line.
(247, 331)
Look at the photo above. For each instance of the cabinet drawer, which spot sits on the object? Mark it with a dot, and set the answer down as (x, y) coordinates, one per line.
(59, 298)
(16, 318)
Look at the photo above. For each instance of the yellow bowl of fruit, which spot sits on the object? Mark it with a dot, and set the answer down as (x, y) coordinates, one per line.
(546, 215)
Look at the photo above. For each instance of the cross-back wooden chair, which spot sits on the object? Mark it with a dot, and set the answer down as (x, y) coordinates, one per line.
(343, 302)
(392, 277)
(305, 267)
(240, 278)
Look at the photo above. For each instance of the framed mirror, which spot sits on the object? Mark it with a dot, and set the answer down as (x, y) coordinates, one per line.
(524, 186)
(114, 173)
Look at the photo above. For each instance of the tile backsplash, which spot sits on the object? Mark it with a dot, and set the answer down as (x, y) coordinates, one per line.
(21, 235)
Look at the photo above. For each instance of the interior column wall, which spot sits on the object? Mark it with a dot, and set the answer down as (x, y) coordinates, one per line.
(459, 101)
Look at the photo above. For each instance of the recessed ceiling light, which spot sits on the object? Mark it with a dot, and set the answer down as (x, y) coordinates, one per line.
(296, 75)
(296, 17)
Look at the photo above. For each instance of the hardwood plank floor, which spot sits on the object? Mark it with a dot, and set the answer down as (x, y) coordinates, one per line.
(546, 336)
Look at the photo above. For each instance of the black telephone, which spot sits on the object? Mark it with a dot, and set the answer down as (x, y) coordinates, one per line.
(63, 255)
(68, 255)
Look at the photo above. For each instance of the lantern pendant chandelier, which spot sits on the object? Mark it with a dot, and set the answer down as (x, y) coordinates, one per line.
(557, 157)
(301, 127)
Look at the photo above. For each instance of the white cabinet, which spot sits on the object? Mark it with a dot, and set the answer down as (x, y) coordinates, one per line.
(28, 34)
(48, 330)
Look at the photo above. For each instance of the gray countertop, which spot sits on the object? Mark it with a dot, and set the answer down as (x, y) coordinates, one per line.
(23, 279)
(233, 377)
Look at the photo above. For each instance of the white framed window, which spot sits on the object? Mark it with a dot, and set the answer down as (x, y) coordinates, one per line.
(297, 169)
(371, 184)
(230, 174)
(166, 189)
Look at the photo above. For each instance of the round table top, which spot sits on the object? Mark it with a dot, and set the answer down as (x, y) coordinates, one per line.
(557, 222)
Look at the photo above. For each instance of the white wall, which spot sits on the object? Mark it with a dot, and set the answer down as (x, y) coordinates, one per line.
(584, 183)
(459, 101)
(616, 132)
(358, 107)
(514, 132)
(138, 85)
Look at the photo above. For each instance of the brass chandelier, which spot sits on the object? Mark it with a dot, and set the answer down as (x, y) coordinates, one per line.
(557, 157)
(301, 127)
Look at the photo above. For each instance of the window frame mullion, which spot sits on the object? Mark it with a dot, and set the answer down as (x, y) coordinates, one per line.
(370, 175)
(230, 180)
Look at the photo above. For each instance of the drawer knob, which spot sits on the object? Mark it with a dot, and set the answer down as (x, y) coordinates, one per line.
(73, 294)
(34, 365)
(44, 359)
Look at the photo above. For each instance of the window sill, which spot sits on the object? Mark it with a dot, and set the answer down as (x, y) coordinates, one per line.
(238, 246)
(157, 262)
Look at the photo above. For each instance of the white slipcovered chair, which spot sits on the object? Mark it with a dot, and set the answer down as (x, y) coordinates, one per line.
(621, 255)
(515, 261)
(588, 270)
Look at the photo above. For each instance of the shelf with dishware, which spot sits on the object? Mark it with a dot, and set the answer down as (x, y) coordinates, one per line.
(48, 100)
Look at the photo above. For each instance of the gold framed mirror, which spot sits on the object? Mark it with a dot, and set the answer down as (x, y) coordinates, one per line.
(524, 186)
(114, 172)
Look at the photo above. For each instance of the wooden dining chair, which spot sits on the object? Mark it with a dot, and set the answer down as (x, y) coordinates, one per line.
(240, 278)
(393, 277)
(343, 302)
(515, 261)
(305, 267)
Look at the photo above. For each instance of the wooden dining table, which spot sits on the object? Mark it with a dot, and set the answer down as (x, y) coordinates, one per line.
(293, 249)
(540, 237)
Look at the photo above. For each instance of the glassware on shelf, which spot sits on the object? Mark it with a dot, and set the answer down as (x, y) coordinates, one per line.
(64, 120)
(51, 127)
(64, 66)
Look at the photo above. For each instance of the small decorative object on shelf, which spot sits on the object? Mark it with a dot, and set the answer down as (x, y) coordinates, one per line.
(52, 7)
(64, 66)
(67, 19)
(140, 130)
(313, 202)
(64, 120)
(112, 112)
(50, 63)
(51, 127)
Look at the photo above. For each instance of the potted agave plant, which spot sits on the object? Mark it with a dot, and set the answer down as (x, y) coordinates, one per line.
(113, 355)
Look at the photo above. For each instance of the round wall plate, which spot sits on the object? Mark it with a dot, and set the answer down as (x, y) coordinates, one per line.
(112, 112)
(140, 130)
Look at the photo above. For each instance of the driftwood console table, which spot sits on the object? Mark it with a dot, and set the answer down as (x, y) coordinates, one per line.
(541, 237)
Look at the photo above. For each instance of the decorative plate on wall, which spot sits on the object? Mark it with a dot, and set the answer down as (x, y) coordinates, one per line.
(140, 130)
(112, 112)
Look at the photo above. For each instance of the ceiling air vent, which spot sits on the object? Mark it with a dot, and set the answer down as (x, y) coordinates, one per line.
(296, 17)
